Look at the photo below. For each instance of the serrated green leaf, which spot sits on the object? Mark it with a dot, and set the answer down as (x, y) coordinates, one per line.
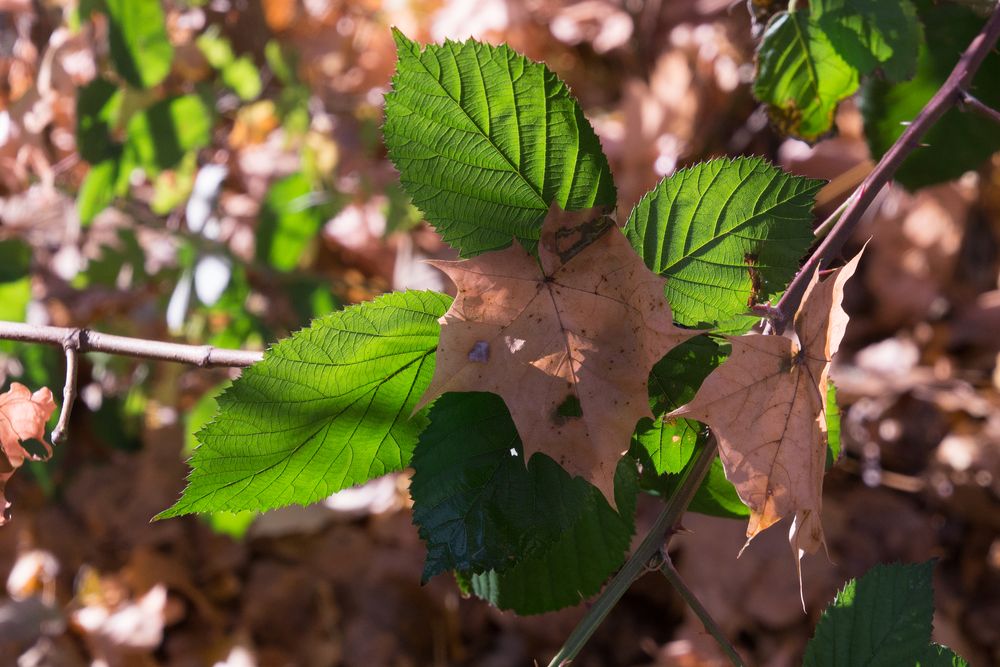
(958, 141)
(937, 655)
(327, 408)
(673, 382)
(97, 107)
(485, 140)
(724, 232)
(576, 565)
(872, 34)
(476, 504)
(160, 136)
(801, 76)
(715, 497)
(140, 49)
(290, 218)
(97, 190)
(882, 619)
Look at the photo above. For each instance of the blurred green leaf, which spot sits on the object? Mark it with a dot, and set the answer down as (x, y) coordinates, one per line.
(242, 76)
(870, 34)
(15, 260)
(97, 107)
(140, 49)
(160, 136)
(290, 219)
(216, 48)
(97, 191)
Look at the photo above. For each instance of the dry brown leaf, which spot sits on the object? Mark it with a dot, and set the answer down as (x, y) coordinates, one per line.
(767, 406)
(568, 344)
(22, 417)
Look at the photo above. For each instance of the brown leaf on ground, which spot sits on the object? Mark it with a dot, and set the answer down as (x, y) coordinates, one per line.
(568, 344)
(766, 405)
(22, 417)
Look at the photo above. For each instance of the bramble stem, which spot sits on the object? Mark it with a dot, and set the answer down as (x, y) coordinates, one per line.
(657, 539)
(88, 340)
(968, 102)
(949, 95)
(673, 576)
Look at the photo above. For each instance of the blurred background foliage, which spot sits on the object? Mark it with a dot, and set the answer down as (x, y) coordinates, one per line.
(212, 171)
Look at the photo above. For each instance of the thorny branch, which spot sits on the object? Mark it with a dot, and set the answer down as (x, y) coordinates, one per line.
(968, 102)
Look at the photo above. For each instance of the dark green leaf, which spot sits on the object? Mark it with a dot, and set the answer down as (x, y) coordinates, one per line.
(160, 136)
(724, 233)
(715, 497)
(97, 107)
(959, 141)
(289, 220)
(327, 408)
(140, 49)
(801, 76)
(15, 260)
(575, 566)
(882, 619)
(485, 140)
(936, 655)
(872, 34)
(476, 504)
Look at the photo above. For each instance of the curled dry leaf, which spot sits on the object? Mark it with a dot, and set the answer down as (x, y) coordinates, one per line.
(766, 405)
(22, 417)
(568, 341)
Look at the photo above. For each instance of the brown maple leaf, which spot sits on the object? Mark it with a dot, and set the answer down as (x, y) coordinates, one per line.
(22, 417)
(767, 406)
(568, 340)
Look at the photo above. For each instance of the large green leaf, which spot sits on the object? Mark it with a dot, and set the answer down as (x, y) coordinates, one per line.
(160, 136)
(870, 34)
(290, 218)
(673, 382)
(801, 76)
(724, 232)
(881, 619)
(958, 141)
(576, 565)
(140, 49)
(485, 140)
(476, 504)
(326, 409)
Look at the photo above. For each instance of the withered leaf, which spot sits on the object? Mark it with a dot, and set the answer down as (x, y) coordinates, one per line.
(766, 405)
(22, 417)
(568, 340)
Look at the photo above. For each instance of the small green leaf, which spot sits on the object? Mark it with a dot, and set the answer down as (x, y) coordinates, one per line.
(290, 218)
(832, 425)
(15, 260)
(485, 140)
(97, 190)
(715, 497)
(673, 382)
(872, 34)
(160, 136)
(575, 566)
(216, 48)
(724, 232)
(475, 502)
(958, 141)
(327, 408)
(801, 76)
(97, 107)
(243, 78)
(937, 655)
(882, 619)
(140, 49)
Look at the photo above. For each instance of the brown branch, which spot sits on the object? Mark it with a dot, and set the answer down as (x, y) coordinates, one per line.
(71, 346)
(88, 340)
(951, 93)
(968, 102)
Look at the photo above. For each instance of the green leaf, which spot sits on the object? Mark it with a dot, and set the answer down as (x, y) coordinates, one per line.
(832, 425)
(15, 260)
(724, 232)
(575, 566)
(715, 497)
(937, 655)
(881, 619)
(216, 48)
(673, 382)
(160, 136)
(140, 49)
(476, 504)
(485, 140)
(289, 220)
(801, 76)
(872, 34)
(958, 141)
(243, 78)
(327, 408)
(97, 107)
(97, 190)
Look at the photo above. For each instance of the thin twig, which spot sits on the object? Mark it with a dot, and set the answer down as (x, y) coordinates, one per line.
(673, 576)
(832, 219)
(968, 102)
(72, 348)
(944, 99)
(658, 538)
(89, 340)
